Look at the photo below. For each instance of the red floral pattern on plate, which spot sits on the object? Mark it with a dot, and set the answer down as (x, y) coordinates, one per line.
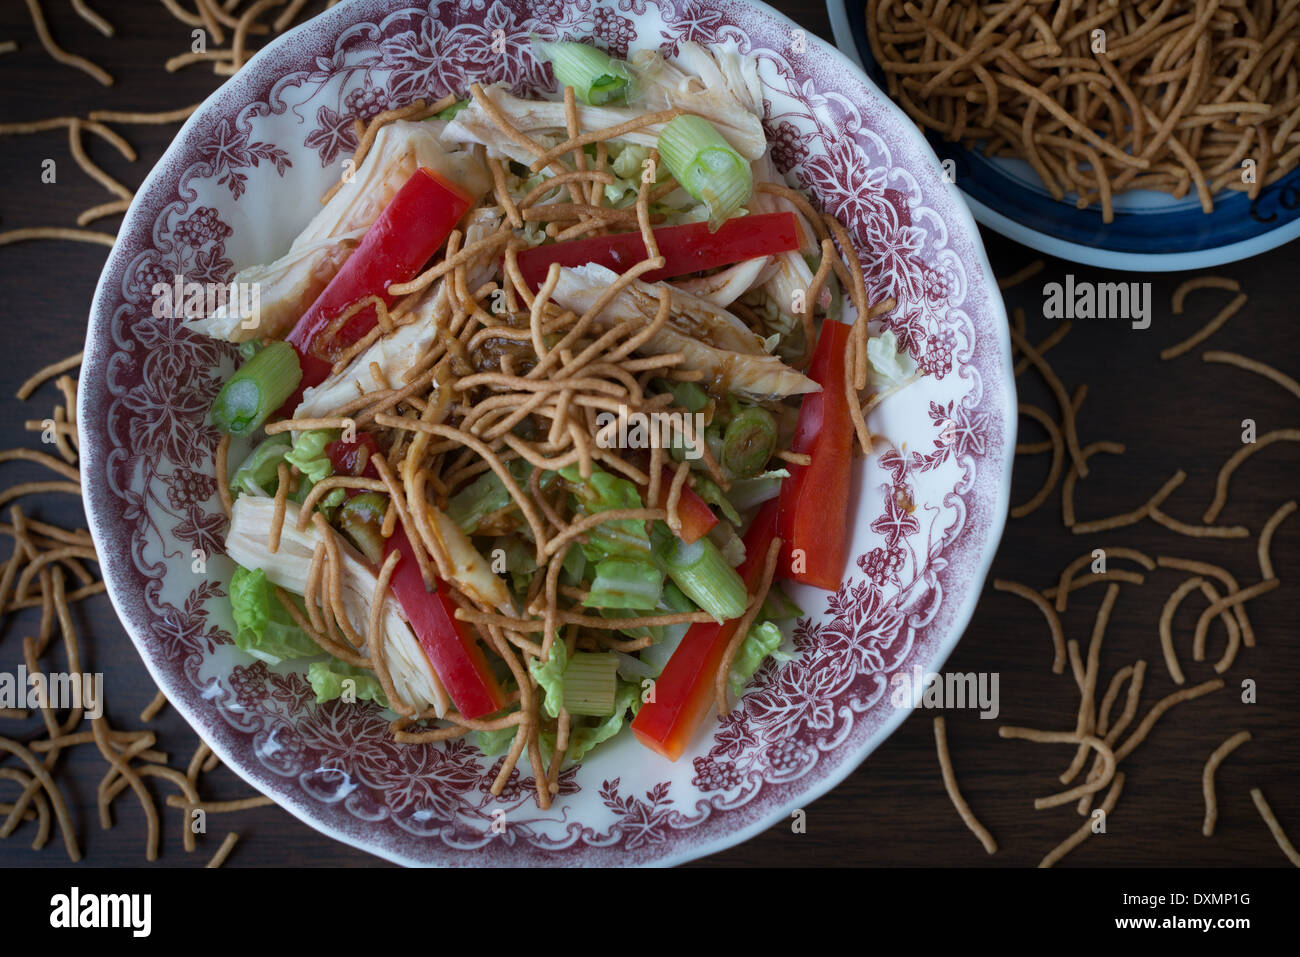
(927, 525)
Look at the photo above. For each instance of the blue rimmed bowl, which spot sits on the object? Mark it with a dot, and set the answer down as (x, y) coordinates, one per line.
(1151, 231)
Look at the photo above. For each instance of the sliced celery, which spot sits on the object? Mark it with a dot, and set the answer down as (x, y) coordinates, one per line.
(590, 681)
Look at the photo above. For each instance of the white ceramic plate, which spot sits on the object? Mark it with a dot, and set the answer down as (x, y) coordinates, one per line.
(244, 175)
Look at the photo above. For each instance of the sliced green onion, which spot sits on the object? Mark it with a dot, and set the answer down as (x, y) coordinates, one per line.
(261, 386)
(686, 395)
(674, 599)
(451, 111)
(590, 681)
(257, 473)
(749, 442)
(706, 166)
(361, 519)
(625, 583)
(701, 572)
(712, 439)
(596, 77)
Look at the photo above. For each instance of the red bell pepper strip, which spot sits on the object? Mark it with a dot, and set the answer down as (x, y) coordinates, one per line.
(684, 692)
(447, 641)
(814, 502)
(696, 516)
(346, 456)
(412, 227)
(686, 249)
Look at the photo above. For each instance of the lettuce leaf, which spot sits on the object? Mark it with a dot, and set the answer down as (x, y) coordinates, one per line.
(630, 161)
(778, 606)
(628, 166)
(763, 640)
(492, 743)
(602, 492)
(257, 473)
(550, 675)
(485, 495)
(626, 583)
(329, 679)
(264, 628)
(886, 361)
(308, 453)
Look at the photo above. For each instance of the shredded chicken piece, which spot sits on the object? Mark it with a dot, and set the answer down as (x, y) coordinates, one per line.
(753, 373)
(413, 677)
(288, 286)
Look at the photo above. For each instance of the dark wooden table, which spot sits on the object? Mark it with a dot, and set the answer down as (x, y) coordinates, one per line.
(893, 810)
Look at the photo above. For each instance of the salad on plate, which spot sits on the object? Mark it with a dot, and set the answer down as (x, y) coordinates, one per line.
(542, 410)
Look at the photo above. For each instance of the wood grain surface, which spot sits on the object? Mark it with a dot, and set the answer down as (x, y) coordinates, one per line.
(891, 811)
